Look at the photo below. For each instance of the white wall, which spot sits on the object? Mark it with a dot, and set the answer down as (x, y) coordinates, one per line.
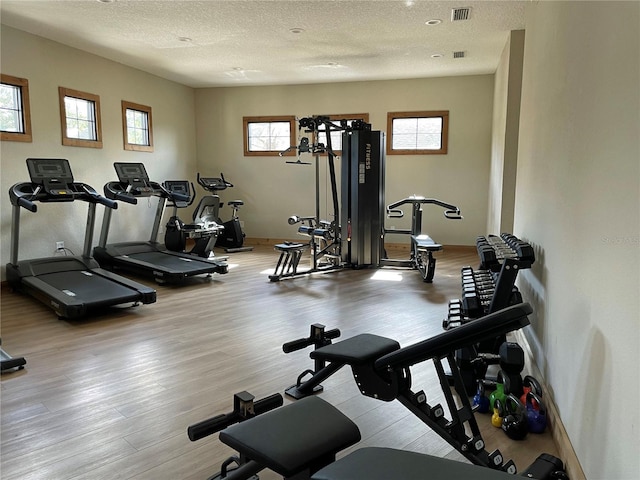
(273, 190)
(578, 202)
(48, 65)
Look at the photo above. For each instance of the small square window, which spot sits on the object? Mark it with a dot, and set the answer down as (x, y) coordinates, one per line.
(80, 118)
(15, 116)
(137, 127)
(268, 136)
(417, 133)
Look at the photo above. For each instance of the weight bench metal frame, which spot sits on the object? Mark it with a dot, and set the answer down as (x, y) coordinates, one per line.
(290, 255)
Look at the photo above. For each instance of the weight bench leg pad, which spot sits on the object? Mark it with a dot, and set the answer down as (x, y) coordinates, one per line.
(305, 435)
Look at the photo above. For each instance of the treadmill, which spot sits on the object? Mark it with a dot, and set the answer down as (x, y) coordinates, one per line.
(72, 286)
(149, 258)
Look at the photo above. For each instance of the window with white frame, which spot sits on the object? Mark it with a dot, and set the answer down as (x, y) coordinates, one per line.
(15, 115)
(417, 133)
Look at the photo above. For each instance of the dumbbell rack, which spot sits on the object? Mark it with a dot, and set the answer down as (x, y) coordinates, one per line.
(491, 287)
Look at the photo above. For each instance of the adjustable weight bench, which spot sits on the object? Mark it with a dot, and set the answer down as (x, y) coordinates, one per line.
(300, 441)
(381, 370)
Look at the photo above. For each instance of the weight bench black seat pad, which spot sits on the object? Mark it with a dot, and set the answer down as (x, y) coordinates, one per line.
(359, 350)
(373, 463)
(292, 438)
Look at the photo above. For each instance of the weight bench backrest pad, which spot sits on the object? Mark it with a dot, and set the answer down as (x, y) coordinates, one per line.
(373, 463)
(359, 350)
(289, 439)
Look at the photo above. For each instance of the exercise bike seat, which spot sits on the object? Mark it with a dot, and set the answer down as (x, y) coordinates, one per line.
(206, 213)
(235, 203)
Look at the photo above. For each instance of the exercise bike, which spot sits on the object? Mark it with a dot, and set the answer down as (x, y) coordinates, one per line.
(232, 237)
(204, 228)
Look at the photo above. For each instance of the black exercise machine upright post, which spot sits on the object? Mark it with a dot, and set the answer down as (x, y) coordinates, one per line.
(363, 197)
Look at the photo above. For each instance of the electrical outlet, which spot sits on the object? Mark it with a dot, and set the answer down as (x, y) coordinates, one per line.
(59, 245)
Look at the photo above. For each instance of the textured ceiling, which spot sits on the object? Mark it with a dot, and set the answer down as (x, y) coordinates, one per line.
(250, 42)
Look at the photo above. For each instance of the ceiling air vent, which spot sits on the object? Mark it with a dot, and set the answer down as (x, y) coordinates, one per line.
(458, 54)
(458, 14)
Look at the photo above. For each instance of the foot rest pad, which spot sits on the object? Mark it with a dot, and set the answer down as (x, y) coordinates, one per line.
(303, 435)
(375, 463)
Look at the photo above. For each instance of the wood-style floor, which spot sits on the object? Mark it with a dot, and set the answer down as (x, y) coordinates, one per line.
(111, 396)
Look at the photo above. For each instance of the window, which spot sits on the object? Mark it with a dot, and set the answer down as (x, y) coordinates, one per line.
(336, 137)
(268, 136)
(15, 116)
(80, 118)
(136, 124)
(417, 133)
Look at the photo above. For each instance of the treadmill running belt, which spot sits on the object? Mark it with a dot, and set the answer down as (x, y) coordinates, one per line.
(172, 262)
(90, 288)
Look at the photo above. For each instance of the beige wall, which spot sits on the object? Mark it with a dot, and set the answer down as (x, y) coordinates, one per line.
(48, 65)
(577, 202)
(504, 145)
(273, 190)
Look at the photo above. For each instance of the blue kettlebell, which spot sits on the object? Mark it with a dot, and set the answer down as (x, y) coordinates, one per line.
(536, 413)
(480, 400)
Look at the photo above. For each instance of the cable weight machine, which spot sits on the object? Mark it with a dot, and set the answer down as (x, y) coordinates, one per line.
(326, 240)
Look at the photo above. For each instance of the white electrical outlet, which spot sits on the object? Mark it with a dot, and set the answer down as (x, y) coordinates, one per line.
(59, 245)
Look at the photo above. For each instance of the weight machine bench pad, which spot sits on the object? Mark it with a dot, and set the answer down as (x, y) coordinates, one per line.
(425, 242)
(374, 463)
(291, 439)
(362, 349)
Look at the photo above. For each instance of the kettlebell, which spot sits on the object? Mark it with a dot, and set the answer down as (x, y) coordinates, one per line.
(501, 391)
(530, 384)
(480, 400)
(498, 413)
(515, 423)
(536, 413)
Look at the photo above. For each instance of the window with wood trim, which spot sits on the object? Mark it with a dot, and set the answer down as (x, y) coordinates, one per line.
(15, 113)
(417, 133)
(336, 136)
(80, 118)
(137, 127)
(268, 136)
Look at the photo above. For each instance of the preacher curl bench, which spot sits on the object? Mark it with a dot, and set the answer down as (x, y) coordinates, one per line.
(300, 441)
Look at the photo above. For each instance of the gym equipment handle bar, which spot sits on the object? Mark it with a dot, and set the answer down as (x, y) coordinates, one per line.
(220, 422)
(489, 326)
(301, 343)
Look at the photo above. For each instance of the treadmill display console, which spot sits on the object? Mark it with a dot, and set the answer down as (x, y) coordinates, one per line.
(135, 176)
(53, 174)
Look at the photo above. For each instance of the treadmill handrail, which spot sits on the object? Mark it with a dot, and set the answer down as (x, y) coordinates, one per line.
(489, 326)
(25, 194)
